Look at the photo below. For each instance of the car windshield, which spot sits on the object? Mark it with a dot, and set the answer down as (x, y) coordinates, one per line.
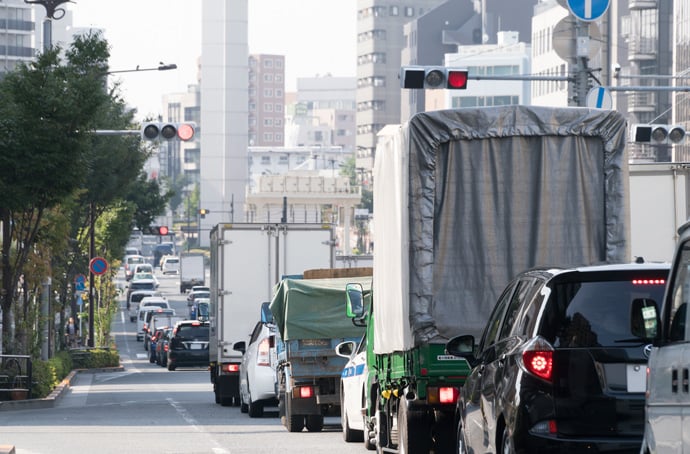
(198, 295)
(595, 314)
(135, 260)
(137, 297)
(140, 276)
(142, 286)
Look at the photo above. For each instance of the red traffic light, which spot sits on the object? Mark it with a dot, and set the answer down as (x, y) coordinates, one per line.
(433, 77)
(185, 131)
(168, 131)
(457, 79)
(163, 230)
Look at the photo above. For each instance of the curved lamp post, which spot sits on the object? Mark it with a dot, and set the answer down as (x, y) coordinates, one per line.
(53, 11)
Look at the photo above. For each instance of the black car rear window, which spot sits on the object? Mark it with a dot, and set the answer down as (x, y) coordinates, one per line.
(596, 313)
(192, 332)
(142, 286)
(137, 297)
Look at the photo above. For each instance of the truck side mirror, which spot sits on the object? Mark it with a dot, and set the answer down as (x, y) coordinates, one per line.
(644, 318)
(355, 301)
(240, 346)
(266, 314)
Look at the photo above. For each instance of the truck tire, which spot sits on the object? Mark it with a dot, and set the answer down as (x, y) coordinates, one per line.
(314, 423)
(412, 436)
(293, 423)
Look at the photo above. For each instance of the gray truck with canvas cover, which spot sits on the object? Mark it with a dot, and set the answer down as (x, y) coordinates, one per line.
(466, 199)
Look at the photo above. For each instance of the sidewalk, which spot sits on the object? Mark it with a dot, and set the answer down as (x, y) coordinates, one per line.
(53, 397)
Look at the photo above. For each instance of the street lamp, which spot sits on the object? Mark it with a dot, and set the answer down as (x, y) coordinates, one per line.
(92, 208)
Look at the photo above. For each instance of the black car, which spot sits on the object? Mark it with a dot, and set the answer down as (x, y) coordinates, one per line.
(188, 346)
(561, 364)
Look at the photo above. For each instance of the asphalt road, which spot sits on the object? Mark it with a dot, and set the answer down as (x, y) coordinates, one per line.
(147, 408)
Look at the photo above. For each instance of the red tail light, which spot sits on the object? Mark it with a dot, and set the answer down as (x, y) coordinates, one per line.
(539, 363)
(537, 358)
(303, 392)
(262, 357)
(231, 367)
(448, 395)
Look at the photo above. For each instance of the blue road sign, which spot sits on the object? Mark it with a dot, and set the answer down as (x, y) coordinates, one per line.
(80, 282)
(588, 10)
(98, 265)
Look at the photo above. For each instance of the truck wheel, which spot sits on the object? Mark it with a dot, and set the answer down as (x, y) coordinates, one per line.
(412, 436)
(293, 423)
(314, 423)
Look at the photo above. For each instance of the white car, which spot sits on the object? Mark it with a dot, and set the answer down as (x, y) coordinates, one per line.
(257, 370)
(149, 303)
(170, 264)
(353, 381)
(135, 298)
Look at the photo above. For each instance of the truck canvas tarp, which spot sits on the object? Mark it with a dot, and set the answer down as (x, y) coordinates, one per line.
(486, 194)
(313, 308)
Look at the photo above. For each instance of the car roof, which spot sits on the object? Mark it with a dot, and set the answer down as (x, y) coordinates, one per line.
(151, 299)
(598, 268)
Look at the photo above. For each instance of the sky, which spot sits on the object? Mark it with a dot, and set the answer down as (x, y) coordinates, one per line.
(316, 36)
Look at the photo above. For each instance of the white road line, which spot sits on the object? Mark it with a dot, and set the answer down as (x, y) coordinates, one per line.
(189, 419)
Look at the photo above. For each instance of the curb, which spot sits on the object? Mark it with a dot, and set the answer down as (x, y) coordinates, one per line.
(54, 396)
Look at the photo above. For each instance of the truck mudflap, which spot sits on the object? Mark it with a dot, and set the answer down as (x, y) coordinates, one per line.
(226, 383)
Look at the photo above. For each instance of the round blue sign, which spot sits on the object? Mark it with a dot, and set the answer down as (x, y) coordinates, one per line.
(588, 10)
(98, 265)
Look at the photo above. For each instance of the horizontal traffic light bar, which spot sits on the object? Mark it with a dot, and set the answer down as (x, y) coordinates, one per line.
(657, 134)
(433, 77)
(168, 131)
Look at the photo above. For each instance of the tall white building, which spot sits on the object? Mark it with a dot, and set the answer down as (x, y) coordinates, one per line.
(224, 112)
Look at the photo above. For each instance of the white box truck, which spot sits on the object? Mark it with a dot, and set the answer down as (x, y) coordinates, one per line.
(192, 271)
(247, 261)
(659, 198)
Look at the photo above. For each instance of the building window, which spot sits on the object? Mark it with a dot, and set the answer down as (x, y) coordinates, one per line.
(283, 160)
(265, 160)
(252, 107)
(268, 121)
(268, 77)
(395, 11)
(268, 63)
(279, 93)
(279, 137)
(409, 11)
(268, 136)
(279, 78)
(279, 107)
(268, 107)
(268, 92)
(279, 63)
(279, 122)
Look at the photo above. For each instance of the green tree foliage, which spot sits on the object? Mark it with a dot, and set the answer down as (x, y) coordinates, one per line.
(47, 110)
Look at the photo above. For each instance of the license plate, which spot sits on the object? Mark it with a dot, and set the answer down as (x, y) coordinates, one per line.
(195, 346)
(636, 375)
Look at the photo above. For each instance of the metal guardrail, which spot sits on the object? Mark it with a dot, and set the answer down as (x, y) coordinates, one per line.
(15, 377)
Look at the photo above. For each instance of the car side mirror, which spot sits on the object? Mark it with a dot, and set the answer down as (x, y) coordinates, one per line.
(644, 318)
(345, 349)
(462, 346)
(266, 314)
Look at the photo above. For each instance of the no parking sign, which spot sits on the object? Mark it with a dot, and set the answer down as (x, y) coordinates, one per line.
(98, 266)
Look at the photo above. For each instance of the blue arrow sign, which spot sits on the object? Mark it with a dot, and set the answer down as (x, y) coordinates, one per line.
(588, 10)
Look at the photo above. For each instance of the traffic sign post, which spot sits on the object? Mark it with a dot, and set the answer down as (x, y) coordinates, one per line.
(79, 282)
(588, 10)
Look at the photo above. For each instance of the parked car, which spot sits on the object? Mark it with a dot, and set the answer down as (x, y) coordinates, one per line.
(188, 346)
(170, 264)
(353, 382)
(561, 365)
(257, 369)
(162, 347)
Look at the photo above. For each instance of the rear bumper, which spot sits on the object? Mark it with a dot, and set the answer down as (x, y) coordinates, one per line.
(188, 358)
(552, 444)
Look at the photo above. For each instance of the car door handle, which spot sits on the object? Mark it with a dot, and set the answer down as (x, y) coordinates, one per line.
(674, 380)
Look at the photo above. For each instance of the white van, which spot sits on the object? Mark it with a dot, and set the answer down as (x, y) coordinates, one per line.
(148, 304)
(667, 415)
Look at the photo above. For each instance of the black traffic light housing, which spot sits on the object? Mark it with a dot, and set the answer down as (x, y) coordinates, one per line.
(203, 212)
(433, 77)
(168, 131)
(657, 134)
(156, 230)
